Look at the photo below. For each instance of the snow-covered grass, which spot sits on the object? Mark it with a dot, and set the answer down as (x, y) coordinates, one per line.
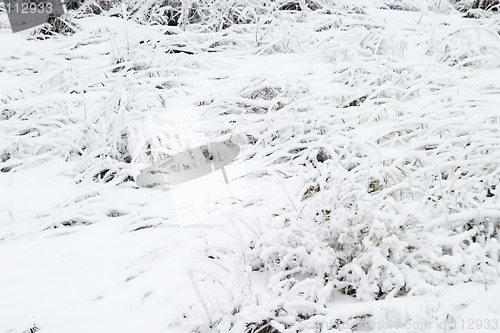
(370, 138)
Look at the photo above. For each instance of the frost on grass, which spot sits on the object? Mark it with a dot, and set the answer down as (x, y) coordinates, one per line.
(399, 166)
(377, 140)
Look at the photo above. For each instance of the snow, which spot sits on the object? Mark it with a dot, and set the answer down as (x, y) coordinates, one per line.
(365, 195)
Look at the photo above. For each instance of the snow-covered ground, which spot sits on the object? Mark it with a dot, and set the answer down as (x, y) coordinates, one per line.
(365, 196)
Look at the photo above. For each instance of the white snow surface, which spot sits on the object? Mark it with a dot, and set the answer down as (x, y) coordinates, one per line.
(365, 197)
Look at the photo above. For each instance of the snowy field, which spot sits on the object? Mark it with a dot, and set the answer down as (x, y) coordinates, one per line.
(364, 199)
